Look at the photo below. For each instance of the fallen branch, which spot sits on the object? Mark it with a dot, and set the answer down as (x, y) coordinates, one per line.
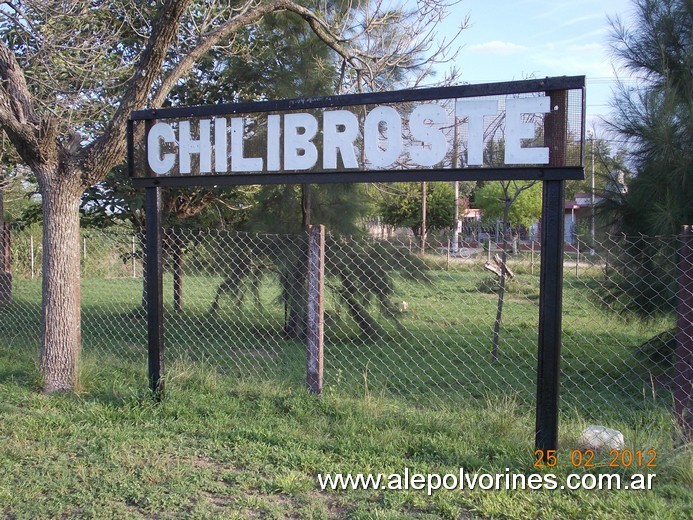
(496, 267)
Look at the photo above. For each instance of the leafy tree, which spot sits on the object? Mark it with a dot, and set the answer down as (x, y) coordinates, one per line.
(399, 205)
(287, 210)
(522, 202)
(656, 117)
(607, 164)
(71, 73)
(516, 205)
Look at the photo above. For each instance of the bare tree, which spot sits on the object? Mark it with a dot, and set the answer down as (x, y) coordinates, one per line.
(511, 191)
(72, 72)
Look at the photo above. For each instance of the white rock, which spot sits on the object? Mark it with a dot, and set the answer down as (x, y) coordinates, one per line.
(601, 438)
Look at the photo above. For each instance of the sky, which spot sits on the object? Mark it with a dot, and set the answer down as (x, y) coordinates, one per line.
(509, 40)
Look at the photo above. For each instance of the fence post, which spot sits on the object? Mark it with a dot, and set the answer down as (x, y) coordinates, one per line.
(683, 378)
(577, 259)
(531, 262)
(31, 249)
(447, 253)
(6, 267)
(177, 255)
(315, 308)
(155, 297)
(6, 247)
(134, 274)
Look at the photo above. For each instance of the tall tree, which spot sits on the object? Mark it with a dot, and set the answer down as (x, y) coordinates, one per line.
(71, 73)
(655, 120)
(656, 116)
(516, 205)
(399, 204)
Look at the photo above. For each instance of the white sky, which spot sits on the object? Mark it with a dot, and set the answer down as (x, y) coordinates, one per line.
(512, 40)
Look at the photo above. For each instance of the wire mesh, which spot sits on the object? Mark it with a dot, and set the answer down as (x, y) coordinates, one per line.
(398, 323)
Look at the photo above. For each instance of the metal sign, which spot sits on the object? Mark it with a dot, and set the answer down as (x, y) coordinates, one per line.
(522, 130)
(491, 132)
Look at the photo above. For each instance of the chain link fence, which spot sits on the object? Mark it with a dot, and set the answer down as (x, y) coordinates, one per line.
(398, 323)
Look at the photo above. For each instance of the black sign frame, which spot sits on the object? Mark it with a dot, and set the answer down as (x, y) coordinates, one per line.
(549, 172)
(553, 178)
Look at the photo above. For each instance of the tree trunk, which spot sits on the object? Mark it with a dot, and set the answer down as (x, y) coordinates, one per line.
(60, 314)
(501, 285)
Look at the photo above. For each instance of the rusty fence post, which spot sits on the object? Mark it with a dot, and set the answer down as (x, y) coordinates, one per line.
(315, 308)
(6, 264)
(683, 378)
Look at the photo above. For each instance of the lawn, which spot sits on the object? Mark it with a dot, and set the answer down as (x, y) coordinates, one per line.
(217, 448)
(238, 436)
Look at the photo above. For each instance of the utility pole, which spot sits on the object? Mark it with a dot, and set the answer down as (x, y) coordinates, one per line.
(423, 217)
(456, 186)
(456, 219)
(592, 230)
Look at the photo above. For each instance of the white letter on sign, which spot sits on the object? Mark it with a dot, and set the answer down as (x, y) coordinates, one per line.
(372, 136)
(475, 110)
(273, 140)
(160, 163)
(434, 145)
(238, 162)
(189, 146)
(220, 146)
(516, 130)
(299, 152)
(336, 139)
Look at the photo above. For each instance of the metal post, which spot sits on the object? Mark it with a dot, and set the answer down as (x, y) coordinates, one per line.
(551, 280)
(177, 274)
(550, 310)
(134, 270)
(5, 264)
(683, 372)
(423, 218)
(456, 219)
(155, 297)
(315, 308)
(447, 257)
(456, 189)
(31, 246)
(6, 247)
(531, 262)
(592, 227)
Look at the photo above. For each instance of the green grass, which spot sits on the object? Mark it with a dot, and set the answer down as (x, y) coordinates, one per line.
(217, 448)
(238, 436)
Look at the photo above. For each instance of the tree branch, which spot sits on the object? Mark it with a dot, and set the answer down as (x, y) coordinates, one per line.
(33, 138)
(108, 149)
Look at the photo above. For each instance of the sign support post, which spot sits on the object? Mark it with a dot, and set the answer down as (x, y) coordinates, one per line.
(155, 298)
(551, 279)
